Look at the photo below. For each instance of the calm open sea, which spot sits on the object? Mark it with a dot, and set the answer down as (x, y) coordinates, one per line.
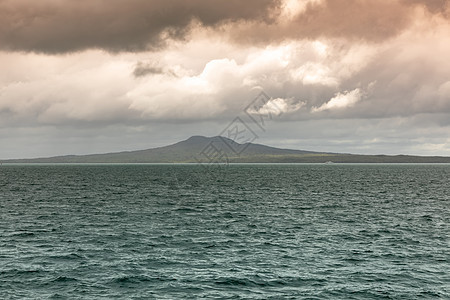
(236, 232)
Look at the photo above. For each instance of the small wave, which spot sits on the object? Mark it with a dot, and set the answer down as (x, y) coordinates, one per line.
(18, 273)
(248, 282)
(69, 256)
(22, 234)
(135, 279)
(427, 218)
(64, 279)
(232, 281)
(186, 209)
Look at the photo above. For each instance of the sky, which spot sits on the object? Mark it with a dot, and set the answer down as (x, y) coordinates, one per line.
(96, 76)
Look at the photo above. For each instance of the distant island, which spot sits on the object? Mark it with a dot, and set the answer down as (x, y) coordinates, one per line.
(221, 149)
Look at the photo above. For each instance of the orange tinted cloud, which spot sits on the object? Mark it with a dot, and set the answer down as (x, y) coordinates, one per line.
(60, 26)
(355, 20)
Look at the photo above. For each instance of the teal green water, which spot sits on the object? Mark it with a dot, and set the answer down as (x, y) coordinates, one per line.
(236, 232)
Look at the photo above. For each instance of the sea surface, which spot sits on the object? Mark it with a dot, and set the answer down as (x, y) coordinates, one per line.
(225, 232)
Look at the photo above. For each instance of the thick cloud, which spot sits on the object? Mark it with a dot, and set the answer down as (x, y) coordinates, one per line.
(56, 26)
(61, 26)
(314, 79)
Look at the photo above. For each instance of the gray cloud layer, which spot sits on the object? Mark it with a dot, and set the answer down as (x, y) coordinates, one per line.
(60, 26)
(56, 26)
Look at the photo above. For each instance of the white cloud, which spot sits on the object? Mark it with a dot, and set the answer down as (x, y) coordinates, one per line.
(314, 74)
(278, 106)
(341, 100)
(91, 90)
(209, 82)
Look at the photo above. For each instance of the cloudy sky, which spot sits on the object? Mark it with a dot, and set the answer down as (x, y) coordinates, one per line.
(358, 76)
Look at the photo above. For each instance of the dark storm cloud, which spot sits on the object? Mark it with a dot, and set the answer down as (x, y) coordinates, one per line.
(58, 26)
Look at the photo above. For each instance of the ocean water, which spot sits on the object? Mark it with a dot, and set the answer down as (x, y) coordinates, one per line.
(236, 232)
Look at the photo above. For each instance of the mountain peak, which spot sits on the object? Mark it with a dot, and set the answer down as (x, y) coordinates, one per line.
(203, 139)
(196, 138)
(199, 147)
